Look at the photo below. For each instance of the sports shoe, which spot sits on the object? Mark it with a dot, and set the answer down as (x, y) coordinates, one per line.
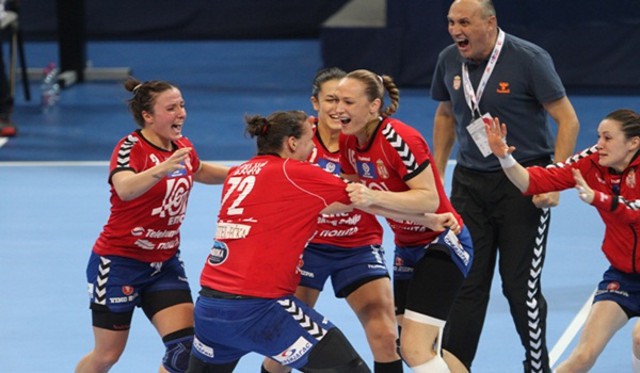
(7, 129)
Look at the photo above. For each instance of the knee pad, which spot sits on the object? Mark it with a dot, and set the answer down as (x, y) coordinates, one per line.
(334, 354)
(178, 348)
(428, 320)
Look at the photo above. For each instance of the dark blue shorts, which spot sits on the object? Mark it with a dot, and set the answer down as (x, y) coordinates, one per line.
(118, 282)
(346, 266)
(284, 329)
(460, 248)
(622, 288)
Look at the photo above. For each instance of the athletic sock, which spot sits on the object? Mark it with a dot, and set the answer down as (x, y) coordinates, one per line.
(391, 367)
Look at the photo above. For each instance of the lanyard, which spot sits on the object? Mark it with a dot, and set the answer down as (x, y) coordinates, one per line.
(473, 98)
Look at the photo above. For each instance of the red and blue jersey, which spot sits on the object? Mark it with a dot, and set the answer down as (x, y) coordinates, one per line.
(353, 229)
(617, 199)
(147, 228)
(395, 154)
(268, 214)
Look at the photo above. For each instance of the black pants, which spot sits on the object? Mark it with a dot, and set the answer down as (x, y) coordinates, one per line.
(507, 227)
(6, 99)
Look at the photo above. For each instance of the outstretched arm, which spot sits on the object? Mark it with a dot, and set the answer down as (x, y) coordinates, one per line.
(496, 134)
(584, 190)
(434, 221)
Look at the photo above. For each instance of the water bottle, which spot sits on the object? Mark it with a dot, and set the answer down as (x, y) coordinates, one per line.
(50, 89)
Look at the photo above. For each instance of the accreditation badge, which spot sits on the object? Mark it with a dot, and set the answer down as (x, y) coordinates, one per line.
(479, 135)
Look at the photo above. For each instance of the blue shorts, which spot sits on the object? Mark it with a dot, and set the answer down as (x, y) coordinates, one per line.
(346, 266)
(284, 329)
(117, 282)
(459, 246)
(622, 288)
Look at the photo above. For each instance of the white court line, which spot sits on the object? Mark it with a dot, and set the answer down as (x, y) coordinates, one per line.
(571, 331)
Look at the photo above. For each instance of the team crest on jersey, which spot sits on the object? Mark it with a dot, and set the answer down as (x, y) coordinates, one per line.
(457, 82)
(219, 253)
(613, 286)
(127, 290)
(382, 170)
(630, 181)
(366, 170)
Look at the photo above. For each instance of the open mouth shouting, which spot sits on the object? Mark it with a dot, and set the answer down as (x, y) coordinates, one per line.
(177, 129)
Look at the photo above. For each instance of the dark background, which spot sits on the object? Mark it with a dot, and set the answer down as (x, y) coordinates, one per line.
(595, 44)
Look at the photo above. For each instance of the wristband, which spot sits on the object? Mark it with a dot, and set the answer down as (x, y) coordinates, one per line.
(508, 161)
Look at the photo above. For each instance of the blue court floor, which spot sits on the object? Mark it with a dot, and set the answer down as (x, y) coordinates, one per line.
(53, 180)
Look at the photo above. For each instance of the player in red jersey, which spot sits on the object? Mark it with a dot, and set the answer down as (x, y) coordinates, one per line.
(605, 176)
(269, 212)
(135, 260)
(395, 167)
(347, 247)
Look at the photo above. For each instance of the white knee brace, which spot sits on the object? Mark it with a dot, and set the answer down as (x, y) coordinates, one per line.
(635, 364)
(435, 365)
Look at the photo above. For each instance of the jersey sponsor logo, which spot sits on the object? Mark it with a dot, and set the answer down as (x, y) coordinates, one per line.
(152, 233)
(307, 274)
(218, 254)
(503, 88)
(182, 172)
(451, 240)
(124, 299)
(231, 231)
(174, 203)
(329, 165)
(366, 170)
(137, 231)
(407, 226)
(168, 245)
(338, 232)
(293, 352)
(339, 219)
(178, 173)
(203, 348)
(613, 288)
(399, 265)
(144, 244)
(147, 245)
